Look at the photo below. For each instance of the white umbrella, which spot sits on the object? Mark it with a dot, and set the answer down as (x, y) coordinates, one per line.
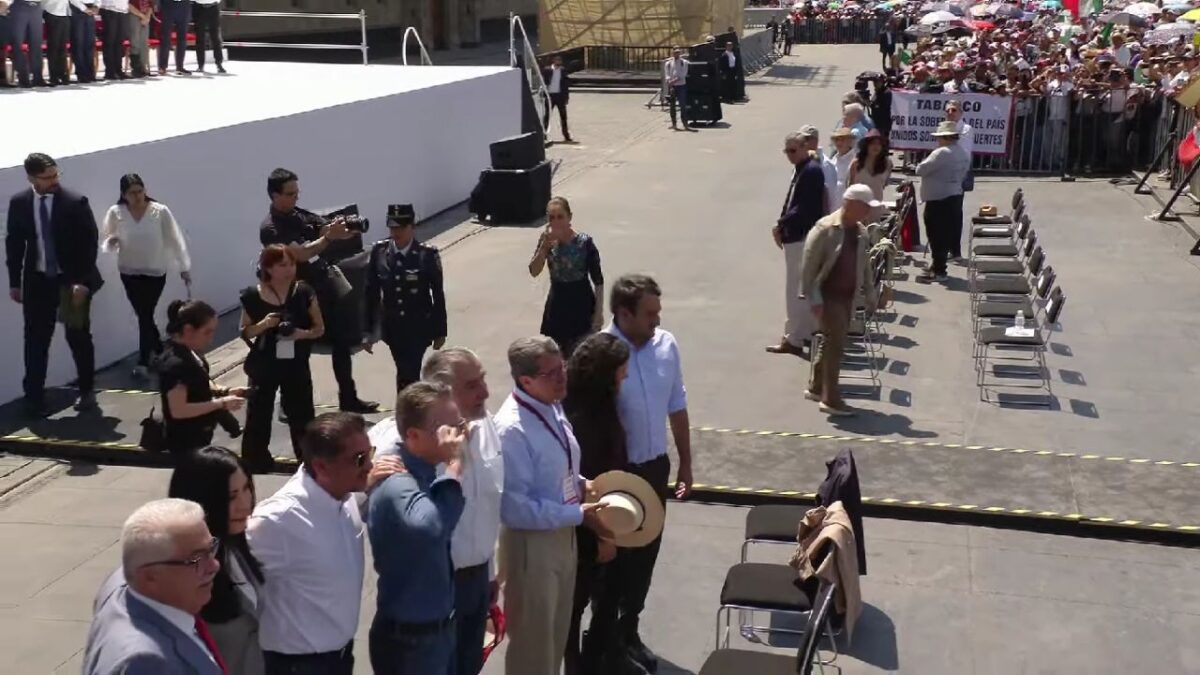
(943, 7)
(979, 11)
(1168, 33)
(1146, 9)
(938, 17)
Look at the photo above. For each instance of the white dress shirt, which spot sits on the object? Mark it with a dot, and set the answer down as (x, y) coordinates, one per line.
(675, 71)
(310, 547)
(966, 137)
(81, 6)
(151, 246)
(39, 225)
(56, 7)
(474, 540)
(177, 617)
(555, 85)
(842, 164)
(832, 193)
(119, 6)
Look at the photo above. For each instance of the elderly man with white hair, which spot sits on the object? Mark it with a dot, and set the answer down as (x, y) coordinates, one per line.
(147, 613)
(854, 118)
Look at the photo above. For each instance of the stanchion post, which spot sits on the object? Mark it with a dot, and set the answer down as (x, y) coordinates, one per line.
(1141, 188)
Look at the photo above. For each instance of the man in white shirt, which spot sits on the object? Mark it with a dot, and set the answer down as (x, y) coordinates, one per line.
(558, 86)
(83, 39)
(966, 141)
(1058, 95)
(308, 537)
(473, 545)
(675, 72)
(147, 613)
(1121, 54)
(114, 15)
(57, 15)
(833, 198)
(843, 156)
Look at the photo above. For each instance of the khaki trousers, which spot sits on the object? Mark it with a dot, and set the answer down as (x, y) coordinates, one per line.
(827, 363)
(801, 323)
(539, 592)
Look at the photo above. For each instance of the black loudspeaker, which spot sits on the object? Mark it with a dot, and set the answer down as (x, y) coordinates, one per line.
(511, 195)
(705, 109)
(525, 151)
(702, 78)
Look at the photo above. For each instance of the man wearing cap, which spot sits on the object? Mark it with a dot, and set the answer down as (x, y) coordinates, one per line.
(835, 271)
(805, 203)
(404, 296)
(942, 174)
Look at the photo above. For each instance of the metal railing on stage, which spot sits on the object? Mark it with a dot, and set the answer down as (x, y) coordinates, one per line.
(360, 17)
(411, 30)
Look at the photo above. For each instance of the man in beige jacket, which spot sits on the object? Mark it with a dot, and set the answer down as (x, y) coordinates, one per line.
(835, 271)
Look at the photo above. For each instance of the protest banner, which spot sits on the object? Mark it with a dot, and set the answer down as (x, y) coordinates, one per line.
(915, 116)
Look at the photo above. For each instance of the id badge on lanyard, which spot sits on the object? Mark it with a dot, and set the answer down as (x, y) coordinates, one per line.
(570, 487)
(285, 349)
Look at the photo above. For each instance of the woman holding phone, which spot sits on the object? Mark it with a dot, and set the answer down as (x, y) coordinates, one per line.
(575, 305)
(149, 244)
(192, 405)
(280, 321)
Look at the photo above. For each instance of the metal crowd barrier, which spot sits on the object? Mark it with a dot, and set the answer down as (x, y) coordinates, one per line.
(758, 17)
(858, 30)
(360, 17)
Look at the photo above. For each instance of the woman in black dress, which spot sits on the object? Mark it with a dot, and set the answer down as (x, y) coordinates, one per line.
(191, 403)
(575, 306)
(280, 320)
(215, 478)
(594, 376)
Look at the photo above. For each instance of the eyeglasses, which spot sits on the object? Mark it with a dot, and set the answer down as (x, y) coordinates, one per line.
(195, 561)
(554, 373)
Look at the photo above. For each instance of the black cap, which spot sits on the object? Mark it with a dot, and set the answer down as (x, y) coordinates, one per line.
(399, 215)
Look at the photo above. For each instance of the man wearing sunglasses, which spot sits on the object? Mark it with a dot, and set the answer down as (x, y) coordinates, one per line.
(148, 612)
(804, 204)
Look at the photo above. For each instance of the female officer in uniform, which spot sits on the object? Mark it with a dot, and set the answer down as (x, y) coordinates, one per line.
(405, 298)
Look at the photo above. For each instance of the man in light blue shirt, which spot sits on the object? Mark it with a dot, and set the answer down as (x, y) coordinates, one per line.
(544, 499)
(651, 396)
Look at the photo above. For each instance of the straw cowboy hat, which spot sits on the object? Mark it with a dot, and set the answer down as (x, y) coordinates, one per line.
(946, 129)
(634, 512)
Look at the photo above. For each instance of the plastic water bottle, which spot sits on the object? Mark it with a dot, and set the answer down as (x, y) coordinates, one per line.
(1020, 319)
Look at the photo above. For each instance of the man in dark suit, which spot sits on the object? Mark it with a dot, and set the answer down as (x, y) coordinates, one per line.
(558, 85)
(887, 45)
(727, 66)
(51, 245)
(405, 297)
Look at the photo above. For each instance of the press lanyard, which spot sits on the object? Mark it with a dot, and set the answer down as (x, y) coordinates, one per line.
(566, 448)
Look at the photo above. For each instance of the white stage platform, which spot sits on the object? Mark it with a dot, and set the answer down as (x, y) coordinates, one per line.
(374, 135)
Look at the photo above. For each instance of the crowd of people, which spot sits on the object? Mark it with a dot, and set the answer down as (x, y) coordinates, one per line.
(458, 503)
(65, 33)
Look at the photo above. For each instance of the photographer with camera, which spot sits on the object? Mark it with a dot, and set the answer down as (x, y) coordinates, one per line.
(306, 235)
(405, 298)
(280, 320)
(192, 405)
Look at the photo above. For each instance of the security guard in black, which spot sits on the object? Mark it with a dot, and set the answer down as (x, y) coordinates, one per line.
(405, 298)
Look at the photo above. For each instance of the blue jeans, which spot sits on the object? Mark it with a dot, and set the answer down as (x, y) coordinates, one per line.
(83, 45)
(394, 653)
(679, 93)
(472, 601)
(25, 25)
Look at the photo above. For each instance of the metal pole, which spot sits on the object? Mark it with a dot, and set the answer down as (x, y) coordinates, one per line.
(362, 20)
(1141, 188)
(1166, 214)
(512, 42)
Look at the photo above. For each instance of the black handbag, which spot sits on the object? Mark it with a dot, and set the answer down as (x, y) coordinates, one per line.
(154, 434)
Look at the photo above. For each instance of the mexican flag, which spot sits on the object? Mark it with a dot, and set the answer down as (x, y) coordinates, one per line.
(1086, 6)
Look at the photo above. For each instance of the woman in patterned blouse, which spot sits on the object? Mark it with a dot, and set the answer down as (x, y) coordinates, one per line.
(575, 305)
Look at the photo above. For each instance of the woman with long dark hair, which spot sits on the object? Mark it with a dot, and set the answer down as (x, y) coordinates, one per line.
(574, 306)
(280, 321)
(594, 376)
(872, 167)
(215, 478)
(149, 244)
(191, 403)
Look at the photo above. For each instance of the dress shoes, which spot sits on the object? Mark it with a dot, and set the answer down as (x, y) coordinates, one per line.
(359, 406)
(35, 408)
(640, 653)
(87, 402)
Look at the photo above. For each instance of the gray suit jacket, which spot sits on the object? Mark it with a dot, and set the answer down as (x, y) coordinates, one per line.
(127, 637)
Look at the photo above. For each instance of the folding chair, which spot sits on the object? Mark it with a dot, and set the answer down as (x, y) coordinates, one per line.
(995, 345)
(1001, 265)
(1008, 287)
(861, 349)
(1004, 248)
(726, 661)
(1004, 310)
(995, 227)
(772, 524)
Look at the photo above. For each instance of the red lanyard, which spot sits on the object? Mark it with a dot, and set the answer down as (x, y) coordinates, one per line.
(565, 446)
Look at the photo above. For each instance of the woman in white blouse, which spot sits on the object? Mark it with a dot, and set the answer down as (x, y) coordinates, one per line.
(149, 244)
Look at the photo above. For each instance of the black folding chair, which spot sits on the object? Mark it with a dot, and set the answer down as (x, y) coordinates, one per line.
(726, 661)
(995, 347)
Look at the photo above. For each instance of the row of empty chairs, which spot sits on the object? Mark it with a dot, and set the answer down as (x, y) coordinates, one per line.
(1008, 276)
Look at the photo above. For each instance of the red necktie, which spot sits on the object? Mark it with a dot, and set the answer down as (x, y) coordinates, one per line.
(207, 639)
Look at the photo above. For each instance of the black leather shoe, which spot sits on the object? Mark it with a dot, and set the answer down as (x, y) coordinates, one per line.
(182, 71)
(35, 408)
(87, 402)
(640, 653)
(617, 662)
(220, 69)
(359, 406)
